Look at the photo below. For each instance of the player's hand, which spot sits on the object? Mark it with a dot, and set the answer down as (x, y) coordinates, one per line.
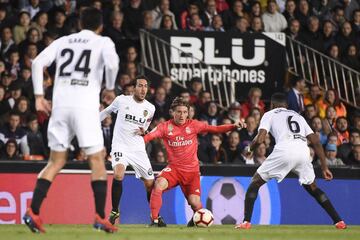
(240, 125)
(140, 131)
(327, 174)
(42, 105)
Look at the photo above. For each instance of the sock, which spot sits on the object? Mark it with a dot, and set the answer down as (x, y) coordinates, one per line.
(197, 208)
(250, 197)
(99, 188)
(41, 188)
(155, 203)
(116, 191)
(324, 202)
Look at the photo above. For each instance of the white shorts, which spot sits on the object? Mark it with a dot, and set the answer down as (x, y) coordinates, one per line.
(283, 160)
(138, 160)
(65, 123)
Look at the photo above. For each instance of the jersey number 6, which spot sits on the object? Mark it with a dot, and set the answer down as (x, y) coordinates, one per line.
(293, 125)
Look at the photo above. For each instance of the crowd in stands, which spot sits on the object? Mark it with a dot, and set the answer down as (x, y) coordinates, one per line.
(329, 26)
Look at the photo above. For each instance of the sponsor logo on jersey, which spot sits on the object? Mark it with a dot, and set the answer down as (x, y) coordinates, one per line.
(79, 82)
(134, 119)
(179, 142)
(187, 130)
(146, 113)
(170, 129)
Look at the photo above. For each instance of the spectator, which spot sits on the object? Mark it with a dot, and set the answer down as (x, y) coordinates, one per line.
(230, 17)
(35, 139)
(310, 112)
(295, 97)
(216, 152)
(132, 19)
(241, 25)
(344, 149)
(160, 11)
(314, 97)
(246, 154)
(349, 8)
(322, 9)
(57, 24)
(41, 19)
(211, 116)
(6, 81)
(185, 94)
(233, 150)
(351, 59)
(160, 156)
(196, 87)
(332, 99)
(30, 55)
(22, 106)
(342, 127)
(260, 154)
(332, 138)
(255, 10)
(33, 8)
(7, 42)
(131, 70)
(234, 113)
(256, 113)
(114, 29)
(289, 13)
(107, 130)
(26, 83)
(192, 112)
(293, 30)
(248, 134)
(317, 127)
(201, 103)
(254, 100)
(345, 37)
(303, 13)
(356, 21)
(210, 12)
(330, 119)
(12, 130)
(160, 103)
(273, 20)
(166, 83)
(32, 37)
(195, 23)
(185, 17)
(312, 36)
(148, 21)
(10, 151)
(20, 30)
(330, 153)
(354, 158)
(167, 23)
(128, 89)
(256, 25)
(216, 25)
(15, 93)
(334, 52)
(328, 34)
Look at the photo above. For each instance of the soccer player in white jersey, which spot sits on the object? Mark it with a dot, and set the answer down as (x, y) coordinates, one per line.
(80, 61)
(291, 153)
(128, 148)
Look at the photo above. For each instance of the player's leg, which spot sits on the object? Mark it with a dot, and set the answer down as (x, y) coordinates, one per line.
(87, 128)
(305, 171)
(160, 185)
(149, 184)
(325, 203)
(116, 191)
(250, 197)
(195, 203)
(56, 162)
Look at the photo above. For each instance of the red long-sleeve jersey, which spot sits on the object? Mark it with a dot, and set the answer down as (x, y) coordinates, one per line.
(181, 141)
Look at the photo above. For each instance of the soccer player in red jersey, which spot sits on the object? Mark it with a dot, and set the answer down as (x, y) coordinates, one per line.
(180, 139)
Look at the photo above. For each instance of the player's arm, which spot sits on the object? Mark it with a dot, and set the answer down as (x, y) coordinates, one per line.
(314, 139)
(111, 60)
(221, 128)
(155, 133)
(113, 107)
(258, 139)
(44, 59)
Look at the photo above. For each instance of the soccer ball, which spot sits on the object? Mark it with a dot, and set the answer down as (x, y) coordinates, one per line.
(203, 218)
(226, 201)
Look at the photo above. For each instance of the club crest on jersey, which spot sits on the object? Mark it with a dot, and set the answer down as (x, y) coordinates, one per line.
(146, 113)
(170, 129)
(187, 130)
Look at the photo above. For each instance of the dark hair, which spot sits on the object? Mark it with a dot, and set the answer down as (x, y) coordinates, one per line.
(278, 98)
(294, 80)
(179, 101)
(341, 117)
(162, 25)
(14, 113)
(91, 18)
(141, 77)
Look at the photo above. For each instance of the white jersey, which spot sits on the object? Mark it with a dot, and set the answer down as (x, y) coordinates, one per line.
(286, 126)
(80, 61)
(130, 116)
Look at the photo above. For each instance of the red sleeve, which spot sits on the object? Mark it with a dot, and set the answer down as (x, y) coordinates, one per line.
(203, 127)
(155, 133)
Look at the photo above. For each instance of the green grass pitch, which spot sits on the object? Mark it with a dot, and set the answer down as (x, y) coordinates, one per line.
(174, 232)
